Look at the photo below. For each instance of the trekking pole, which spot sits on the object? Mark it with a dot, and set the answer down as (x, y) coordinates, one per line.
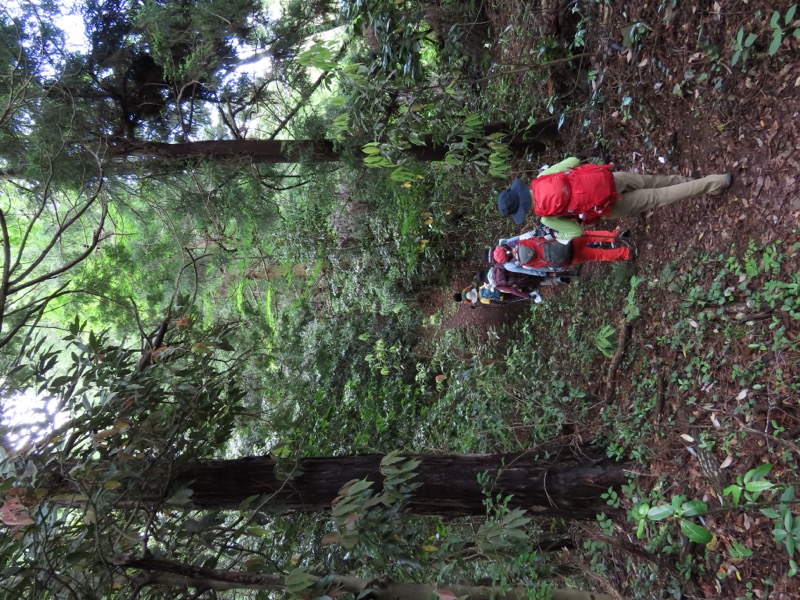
(502, 304)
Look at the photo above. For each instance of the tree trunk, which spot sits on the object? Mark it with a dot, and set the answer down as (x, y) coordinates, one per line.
(179, 575)
(318, 151)
(565, 485)
(253, 151)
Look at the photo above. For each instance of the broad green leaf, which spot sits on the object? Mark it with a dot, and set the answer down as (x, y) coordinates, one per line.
(392, 457)
(733, 490)
(516, 518)
(692, 508)
(409, 466)
(775, 19)
(750, 40)
(790, 14)
(696, 533)
(359, 487)
(660, 512)
(779, 534)
(777, 38)
(181, 497)
(298, 580)
(473, 121)
(758, 473)
(247, 502)
(340, 122)
(758, 486)
(741, 550)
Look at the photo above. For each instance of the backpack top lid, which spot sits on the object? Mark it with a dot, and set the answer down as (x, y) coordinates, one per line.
(551, 194)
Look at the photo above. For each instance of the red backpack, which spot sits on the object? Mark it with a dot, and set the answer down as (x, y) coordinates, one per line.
(541, 253)
(587, 192)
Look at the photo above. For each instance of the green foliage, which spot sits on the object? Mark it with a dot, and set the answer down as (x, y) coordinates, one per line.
(131, 421)
(780, 28)
(742, 46)
(782, 25)
(787, 530)
(678, 509)
(604, 340)
(205, 29)
(751, 484)
(631, 310)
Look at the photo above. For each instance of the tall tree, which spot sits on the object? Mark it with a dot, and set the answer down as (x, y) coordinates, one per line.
(549, 481)
(45, 233)
(154, 572)
(289, 151)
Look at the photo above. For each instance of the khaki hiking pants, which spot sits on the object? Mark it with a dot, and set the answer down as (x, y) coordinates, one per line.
(641, 193)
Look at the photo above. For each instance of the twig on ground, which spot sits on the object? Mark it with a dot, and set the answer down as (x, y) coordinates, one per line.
(622, 344)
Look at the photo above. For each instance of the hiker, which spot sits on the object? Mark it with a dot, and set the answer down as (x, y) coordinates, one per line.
(488, 293)
(500, 286)
(533, 255)
(568, 191)
(520, 285)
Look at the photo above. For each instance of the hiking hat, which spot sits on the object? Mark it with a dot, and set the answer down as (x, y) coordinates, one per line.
(515, 202)
(502, 255)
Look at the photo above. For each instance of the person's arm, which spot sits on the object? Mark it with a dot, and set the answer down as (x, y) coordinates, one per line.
(510, 266)
(566, 228)
(567, 163)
